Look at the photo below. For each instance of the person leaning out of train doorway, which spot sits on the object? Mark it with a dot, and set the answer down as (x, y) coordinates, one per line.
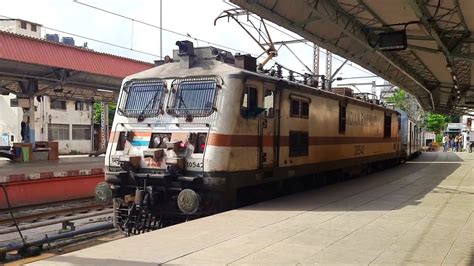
(445, 142)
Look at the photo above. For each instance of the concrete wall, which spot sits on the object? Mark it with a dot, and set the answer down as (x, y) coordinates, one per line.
(10, 117)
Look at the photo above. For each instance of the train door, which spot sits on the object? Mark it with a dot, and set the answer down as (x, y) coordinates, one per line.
(267, 129)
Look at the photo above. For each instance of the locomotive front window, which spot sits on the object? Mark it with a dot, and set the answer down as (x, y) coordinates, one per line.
(142, 98)
(193, 97)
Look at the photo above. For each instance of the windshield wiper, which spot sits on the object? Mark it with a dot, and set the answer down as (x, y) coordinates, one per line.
(189, 117)
(141, 116)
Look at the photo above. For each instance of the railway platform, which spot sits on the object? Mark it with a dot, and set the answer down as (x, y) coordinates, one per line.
(70, 177)
(419, 212)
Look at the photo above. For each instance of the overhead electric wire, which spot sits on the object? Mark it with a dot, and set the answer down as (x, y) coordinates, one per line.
(302, 41)
(186, 35)
(92, 39)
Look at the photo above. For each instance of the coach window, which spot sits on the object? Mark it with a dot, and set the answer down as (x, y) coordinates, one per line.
(298, 142)
(249, 107)
(387, 126)
(342, 118)
(268, 102)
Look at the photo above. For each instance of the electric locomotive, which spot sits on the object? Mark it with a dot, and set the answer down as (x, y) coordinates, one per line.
(190, 133)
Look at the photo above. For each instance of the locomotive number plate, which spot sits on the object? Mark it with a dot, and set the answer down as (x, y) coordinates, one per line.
(194, 164)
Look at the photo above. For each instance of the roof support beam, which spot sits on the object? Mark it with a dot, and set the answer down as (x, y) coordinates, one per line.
(429, 26)
(337, 18)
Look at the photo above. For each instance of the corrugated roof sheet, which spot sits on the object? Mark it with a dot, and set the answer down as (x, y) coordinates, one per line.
(30, 50)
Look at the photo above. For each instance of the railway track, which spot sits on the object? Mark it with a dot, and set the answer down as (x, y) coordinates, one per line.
(63, 223)
(44, 212)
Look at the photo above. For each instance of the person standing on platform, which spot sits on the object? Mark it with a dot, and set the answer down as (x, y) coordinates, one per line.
(445, 141)
(456, 143)
(451, 143)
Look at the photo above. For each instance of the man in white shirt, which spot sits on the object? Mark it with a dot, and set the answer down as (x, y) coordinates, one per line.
(445, 143)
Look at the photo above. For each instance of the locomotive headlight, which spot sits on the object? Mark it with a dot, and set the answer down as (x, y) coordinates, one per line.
(156, 141)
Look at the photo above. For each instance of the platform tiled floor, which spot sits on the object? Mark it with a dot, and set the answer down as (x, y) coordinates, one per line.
(420, 212)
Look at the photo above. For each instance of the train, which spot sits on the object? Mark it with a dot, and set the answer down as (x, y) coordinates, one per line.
(193, 132)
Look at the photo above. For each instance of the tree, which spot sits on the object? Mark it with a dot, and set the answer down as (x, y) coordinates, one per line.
(398, 99)
(98, 111)
(436, 122)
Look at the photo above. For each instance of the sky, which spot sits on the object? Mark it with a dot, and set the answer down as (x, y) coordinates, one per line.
(142, 42)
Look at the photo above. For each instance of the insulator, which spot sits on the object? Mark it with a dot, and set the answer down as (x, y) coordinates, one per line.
(279, 74)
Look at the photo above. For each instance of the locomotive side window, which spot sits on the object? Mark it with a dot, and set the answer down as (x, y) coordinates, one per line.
(142, 98)
(295, 108)
(304, 109)
(298, 142)
(342, 118)
(387, 126)
(193, 97)
(299, 106)
(249, 107)
(268, 103)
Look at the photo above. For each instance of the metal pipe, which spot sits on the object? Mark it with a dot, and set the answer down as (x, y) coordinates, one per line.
(48, 239)
(56, 221)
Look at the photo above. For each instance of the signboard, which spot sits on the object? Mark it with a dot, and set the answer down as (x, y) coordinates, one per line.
(430, 135)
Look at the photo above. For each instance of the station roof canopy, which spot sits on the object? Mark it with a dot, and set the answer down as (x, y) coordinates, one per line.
(60, 70)
(436, 67)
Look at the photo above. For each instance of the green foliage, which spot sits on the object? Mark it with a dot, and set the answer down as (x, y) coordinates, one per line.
(398, 99)
(98, 111)
(439, 138)
(436, 122)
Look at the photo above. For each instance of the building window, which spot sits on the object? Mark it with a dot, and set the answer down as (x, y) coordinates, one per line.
(58, 132)
(81, 106)
(249, 107)
(298, 143)
(299, 107)
(23, 24)
(33, 27)
(342, 118)
(387, 126)
(81, 132)
(58, 104)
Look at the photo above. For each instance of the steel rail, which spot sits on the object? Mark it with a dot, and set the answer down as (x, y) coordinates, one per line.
(55, 221)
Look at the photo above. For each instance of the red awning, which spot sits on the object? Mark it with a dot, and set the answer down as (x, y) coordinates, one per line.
(30, 50)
